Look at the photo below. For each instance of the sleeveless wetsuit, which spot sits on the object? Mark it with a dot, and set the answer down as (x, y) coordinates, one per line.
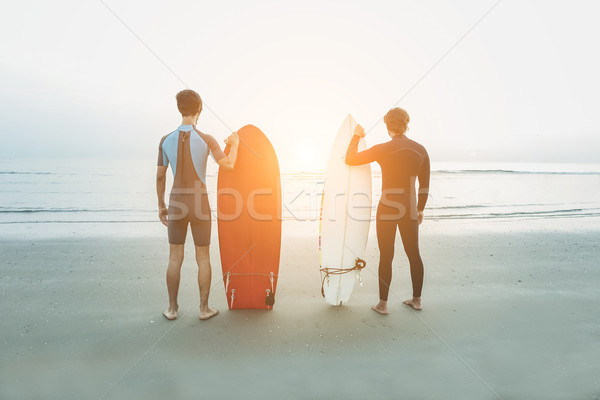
(187, 149)
(402, 161)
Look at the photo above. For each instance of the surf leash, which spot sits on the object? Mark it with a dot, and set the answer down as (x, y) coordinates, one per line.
(359, 264)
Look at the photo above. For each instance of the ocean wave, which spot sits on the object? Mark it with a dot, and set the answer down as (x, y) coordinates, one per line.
(78, 222)
(25, 173)
(576, 212)
(466, 207)
(510, 171)
(471, 206)
(58, 173)
(32, 210)
(317, 176)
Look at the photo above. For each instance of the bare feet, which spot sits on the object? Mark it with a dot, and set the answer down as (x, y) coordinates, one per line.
(208, 313)
(170, 314)
(415, 303)
(381, 308)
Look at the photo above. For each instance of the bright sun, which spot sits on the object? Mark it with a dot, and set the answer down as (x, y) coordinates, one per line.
(307, 159)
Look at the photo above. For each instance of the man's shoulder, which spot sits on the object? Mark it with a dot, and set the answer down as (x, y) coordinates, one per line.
(417, 146)
(209, 139)
(162, 139)
(203, 134)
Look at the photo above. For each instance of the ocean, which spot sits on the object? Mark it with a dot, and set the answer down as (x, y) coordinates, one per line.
(75, 191)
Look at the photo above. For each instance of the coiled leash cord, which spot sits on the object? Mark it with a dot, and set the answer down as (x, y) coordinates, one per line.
(358, 265)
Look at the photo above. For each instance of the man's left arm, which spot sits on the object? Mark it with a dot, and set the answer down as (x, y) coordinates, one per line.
(225, 161)
(228, 162)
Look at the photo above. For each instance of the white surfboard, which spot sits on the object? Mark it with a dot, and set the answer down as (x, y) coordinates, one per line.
(345, 218)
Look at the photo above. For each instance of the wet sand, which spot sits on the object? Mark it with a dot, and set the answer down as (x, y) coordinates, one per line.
(511, 311)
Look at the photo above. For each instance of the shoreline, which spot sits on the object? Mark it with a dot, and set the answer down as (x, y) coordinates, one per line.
(290, 228)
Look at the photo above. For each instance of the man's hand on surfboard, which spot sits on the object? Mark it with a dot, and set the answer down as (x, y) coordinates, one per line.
(233, 139)
(420, 216)
(162, 215)
(359, 131)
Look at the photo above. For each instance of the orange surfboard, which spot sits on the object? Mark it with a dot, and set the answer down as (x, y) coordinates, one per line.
(249, 222)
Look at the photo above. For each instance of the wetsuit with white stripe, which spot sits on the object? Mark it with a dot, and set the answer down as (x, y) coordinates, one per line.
(402, 162)
(187, 150)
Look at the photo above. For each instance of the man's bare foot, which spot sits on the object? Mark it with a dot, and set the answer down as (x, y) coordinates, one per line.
(381, 308)
(415, 303)
(211, 312)
(170, 314)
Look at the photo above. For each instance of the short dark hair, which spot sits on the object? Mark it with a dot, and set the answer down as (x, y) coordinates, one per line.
(397, 120)
(188, 102)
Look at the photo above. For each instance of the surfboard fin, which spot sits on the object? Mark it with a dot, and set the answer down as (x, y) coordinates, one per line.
(270, 299)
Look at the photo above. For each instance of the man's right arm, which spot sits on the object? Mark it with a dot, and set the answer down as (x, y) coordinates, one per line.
(353, 157)
(161, 179)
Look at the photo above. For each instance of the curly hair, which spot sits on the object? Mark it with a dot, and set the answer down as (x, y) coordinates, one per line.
(188, 102)
(397, 120)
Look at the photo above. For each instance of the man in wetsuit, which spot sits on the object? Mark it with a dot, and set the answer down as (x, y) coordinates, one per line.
(402, 161)
(187, 150)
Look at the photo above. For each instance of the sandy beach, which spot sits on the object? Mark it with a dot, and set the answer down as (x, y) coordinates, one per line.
(480, 117)
(511, 312)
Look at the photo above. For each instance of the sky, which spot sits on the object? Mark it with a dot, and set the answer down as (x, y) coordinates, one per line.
(522, 85)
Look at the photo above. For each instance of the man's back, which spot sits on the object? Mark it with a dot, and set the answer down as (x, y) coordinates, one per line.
(402, 161)
(187, 149)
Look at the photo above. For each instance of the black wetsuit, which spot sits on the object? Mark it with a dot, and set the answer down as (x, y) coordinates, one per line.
(402, 161)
